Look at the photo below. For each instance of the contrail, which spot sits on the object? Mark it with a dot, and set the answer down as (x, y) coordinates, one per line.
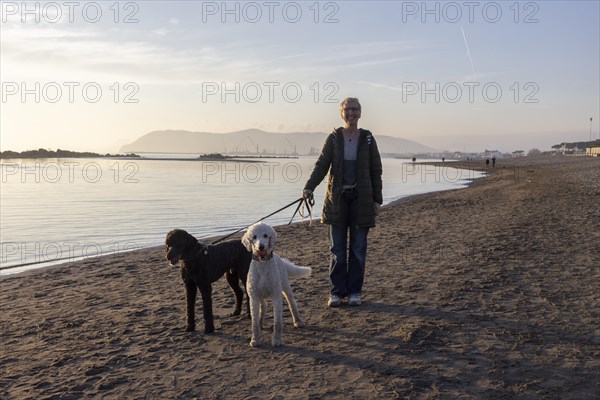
(467, 46)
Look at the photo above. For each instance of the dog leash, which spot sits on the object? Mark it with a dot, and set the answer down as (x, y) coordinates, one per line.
(303, 203)
(307, 203)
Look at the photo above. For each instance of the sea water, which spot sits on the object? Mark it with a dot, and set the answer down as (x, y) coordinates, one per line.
(60, 210)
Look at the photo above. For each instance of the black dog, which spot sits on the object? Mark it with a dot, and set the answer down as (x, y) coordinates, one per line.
(201, 265)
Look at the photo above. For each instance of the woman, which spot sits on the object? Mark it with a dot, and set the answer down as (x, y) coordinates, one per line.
(352, 201)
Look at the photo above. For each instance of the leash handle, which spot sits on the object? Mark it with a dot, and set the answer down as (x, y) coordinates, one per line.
(308, 202)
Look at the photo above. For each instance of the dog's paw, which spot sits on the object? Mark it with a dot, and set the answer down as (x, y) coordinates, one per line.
(299, 324)
(276, 342)
(254, 343)
(190, 328)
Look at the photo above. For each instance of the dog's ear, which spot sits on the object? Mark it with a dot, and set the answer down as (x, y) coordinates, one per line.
(246, 240)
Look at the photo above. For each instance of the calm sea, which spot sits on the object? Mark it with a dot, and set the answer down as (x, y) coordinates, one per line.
(60, 210)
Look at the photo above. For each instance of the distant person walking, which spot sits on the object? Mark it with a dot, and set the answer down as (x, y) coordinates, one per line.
(494, 162)
(487, 162)
(354, 195)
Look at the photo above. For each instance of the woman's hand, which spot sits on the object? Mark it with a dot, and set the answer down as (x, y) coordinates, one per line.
(377, 207)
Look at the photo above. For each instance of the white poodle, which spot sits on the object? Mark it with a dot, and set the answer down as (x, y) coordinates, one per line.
(268, 278)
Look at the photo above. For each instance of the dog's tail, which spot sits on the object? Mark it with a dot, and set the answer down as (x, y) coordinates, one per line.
(294, 270)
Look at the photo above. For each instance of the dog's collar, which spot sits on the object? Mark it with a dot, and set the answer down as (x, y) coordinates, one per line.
(267, 258)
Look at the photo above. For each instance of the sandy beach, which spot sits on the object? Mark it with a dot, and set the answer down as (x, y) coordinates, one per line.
(489, 292)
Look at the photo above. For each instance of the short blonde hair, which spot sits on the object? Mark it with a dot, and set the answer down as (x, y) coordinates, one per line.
(349, 100)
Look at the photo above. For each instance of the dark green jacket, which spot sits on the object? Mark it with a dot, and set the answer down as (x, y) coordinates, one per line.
(368, 176)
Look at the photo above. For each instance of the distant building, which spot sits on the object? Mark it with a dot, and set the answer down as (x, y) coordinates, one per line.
(593, 151)
(494, 153)
(518, 153)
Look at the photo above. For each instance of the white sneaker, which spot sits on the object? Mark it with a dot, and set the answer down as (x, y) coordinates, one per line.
(334, 301)
(354, 300)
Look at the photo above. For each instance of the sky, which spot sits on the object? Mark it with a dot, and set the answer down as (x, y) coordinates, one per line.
(458, 76)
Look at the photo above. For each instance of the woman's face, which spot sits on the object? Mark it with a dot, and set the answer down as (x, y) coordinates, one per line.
(351, 113)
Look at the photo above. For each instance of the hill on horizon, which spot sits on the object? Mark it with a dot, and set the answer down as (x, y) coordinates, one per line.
(253, 141)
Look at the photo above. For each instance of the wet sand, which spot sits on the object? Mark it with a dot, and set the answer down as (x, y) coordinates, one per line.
(481, 293)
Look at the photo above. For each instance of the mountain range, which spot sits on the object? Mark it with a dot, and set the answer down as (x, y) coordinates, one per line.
(253, 141)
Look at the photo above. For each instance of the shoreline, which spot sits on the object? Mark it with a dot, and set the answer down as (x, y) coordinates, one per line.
(486, 292)
(6, 271)
(476, 165)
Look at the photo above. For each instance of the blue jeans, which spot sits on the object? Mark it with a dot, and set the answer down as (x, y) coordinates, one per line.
(347, 268)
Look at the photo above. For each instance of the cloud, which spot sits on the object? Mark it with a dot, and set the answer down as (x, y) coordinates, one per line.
(161, 31)
(152, 56)
(381, 86)
(50, 53)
